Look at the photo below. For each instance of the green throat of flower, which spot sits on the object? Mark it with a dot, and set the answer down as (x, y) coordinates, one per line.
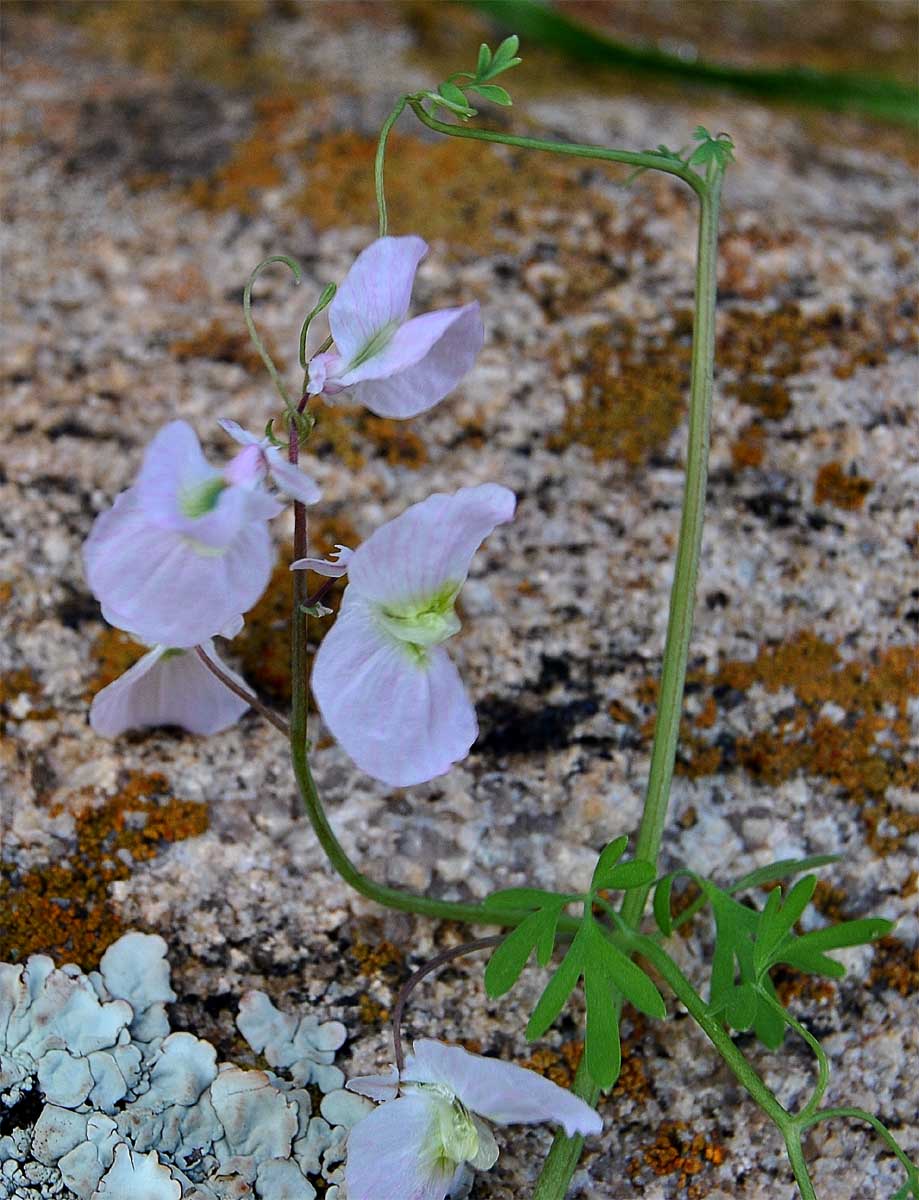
(201, 498)
(378, 342)
(419, 624)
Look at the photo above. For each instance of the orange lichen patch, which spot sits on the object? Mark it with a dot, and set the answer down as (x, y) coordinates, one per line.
(558, 1063)
(352, 435)
(254, 166)
(113, 652)
(793, 985)
(632, 394)
(64, 908)
(485, 194)
(370, 1011)
(220, 344)
(263, 646)
(677, 1151)
(863, 754)
(6, 591)
(376, 958)
(763, 347)
(830, 900)
(19, 681)
(750, 447)
(839, 487)
(621, 713)
(895, 966)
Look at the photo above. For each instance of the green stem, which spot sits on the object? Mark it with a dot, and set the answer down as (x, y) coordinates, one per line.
(254, 333)
(859, 1114)
(563, 1157)
(686, 570)
(795, 1152)
(398, 898)
(646, 161)
(381, 158)
(823, 1066)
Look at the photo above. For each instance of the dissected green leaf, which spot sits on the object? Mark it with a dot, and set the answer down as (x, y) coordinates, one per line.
(556, 992)
(847, 933)
(453, 95)
(807, 952)
(602, 958)
(484, 61)
(602, 1049)
(735, 927)
(662, 904)
(609, 856)
(740, 1005)
(777, 920)
(782, 870)
(719, 150)
(546, 943)
(768, 1024)
(523, 897)
(505, 55)
(510, 957)
(491, 91)
(623, 876)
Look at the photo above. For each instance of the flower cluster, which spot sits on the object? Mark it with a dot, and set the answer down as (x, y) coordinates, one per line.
(429, 1127)
(186, 551)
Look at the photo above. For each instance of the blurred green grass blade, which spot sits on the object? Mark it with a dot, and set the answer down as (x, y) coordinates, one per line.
(885, 98)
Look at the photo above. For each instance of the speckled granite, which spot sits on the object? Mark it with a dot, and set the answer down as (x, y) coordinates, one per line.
(149, 164)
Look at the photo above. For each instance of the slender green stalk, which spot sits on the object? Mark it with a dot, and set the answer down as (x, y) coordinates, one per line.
(795, 1152)
(398, 898)
(651, 162)
(380, 161)
(686, 570)
(563, 1157)
(823, 1066)
(859, 1114)
(254, 333)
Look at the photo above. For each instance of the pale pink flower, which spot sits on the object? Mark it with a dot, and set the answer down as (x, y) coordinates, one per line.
(385, 686)
(261, 459)
(417, 1144)
(168, 687)
(186, 549)
(394, 366)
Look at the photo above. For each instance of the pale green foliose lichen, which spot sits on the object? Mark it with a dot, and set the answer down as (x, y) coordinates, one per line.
(131, 1109)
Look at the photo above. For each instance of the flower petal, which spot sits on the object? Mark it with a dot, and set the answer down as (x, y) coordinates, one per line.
(377, 1087)
(168, 689)
(390, 1154)
(164, 587)
(375, 293)
(423, 362)
(403, 718)
(238, 434)
(173, 462)
(429, 546)
(500, 1091)
(324, 566)
(290, 478)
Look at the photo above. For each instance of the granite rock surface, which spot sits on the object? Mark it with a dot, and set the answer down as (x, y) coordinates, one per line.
(151, 161)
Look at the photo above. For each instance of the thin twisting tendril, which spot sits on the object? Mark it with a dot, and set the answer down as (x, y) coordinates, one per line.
(254, 333)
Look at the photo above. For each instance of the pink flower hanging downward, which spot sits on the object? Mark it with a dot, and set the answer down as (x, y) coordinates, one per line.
(394, 366)
(168, 687)
(186, 549)
(386, 688)
(416, 1145)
